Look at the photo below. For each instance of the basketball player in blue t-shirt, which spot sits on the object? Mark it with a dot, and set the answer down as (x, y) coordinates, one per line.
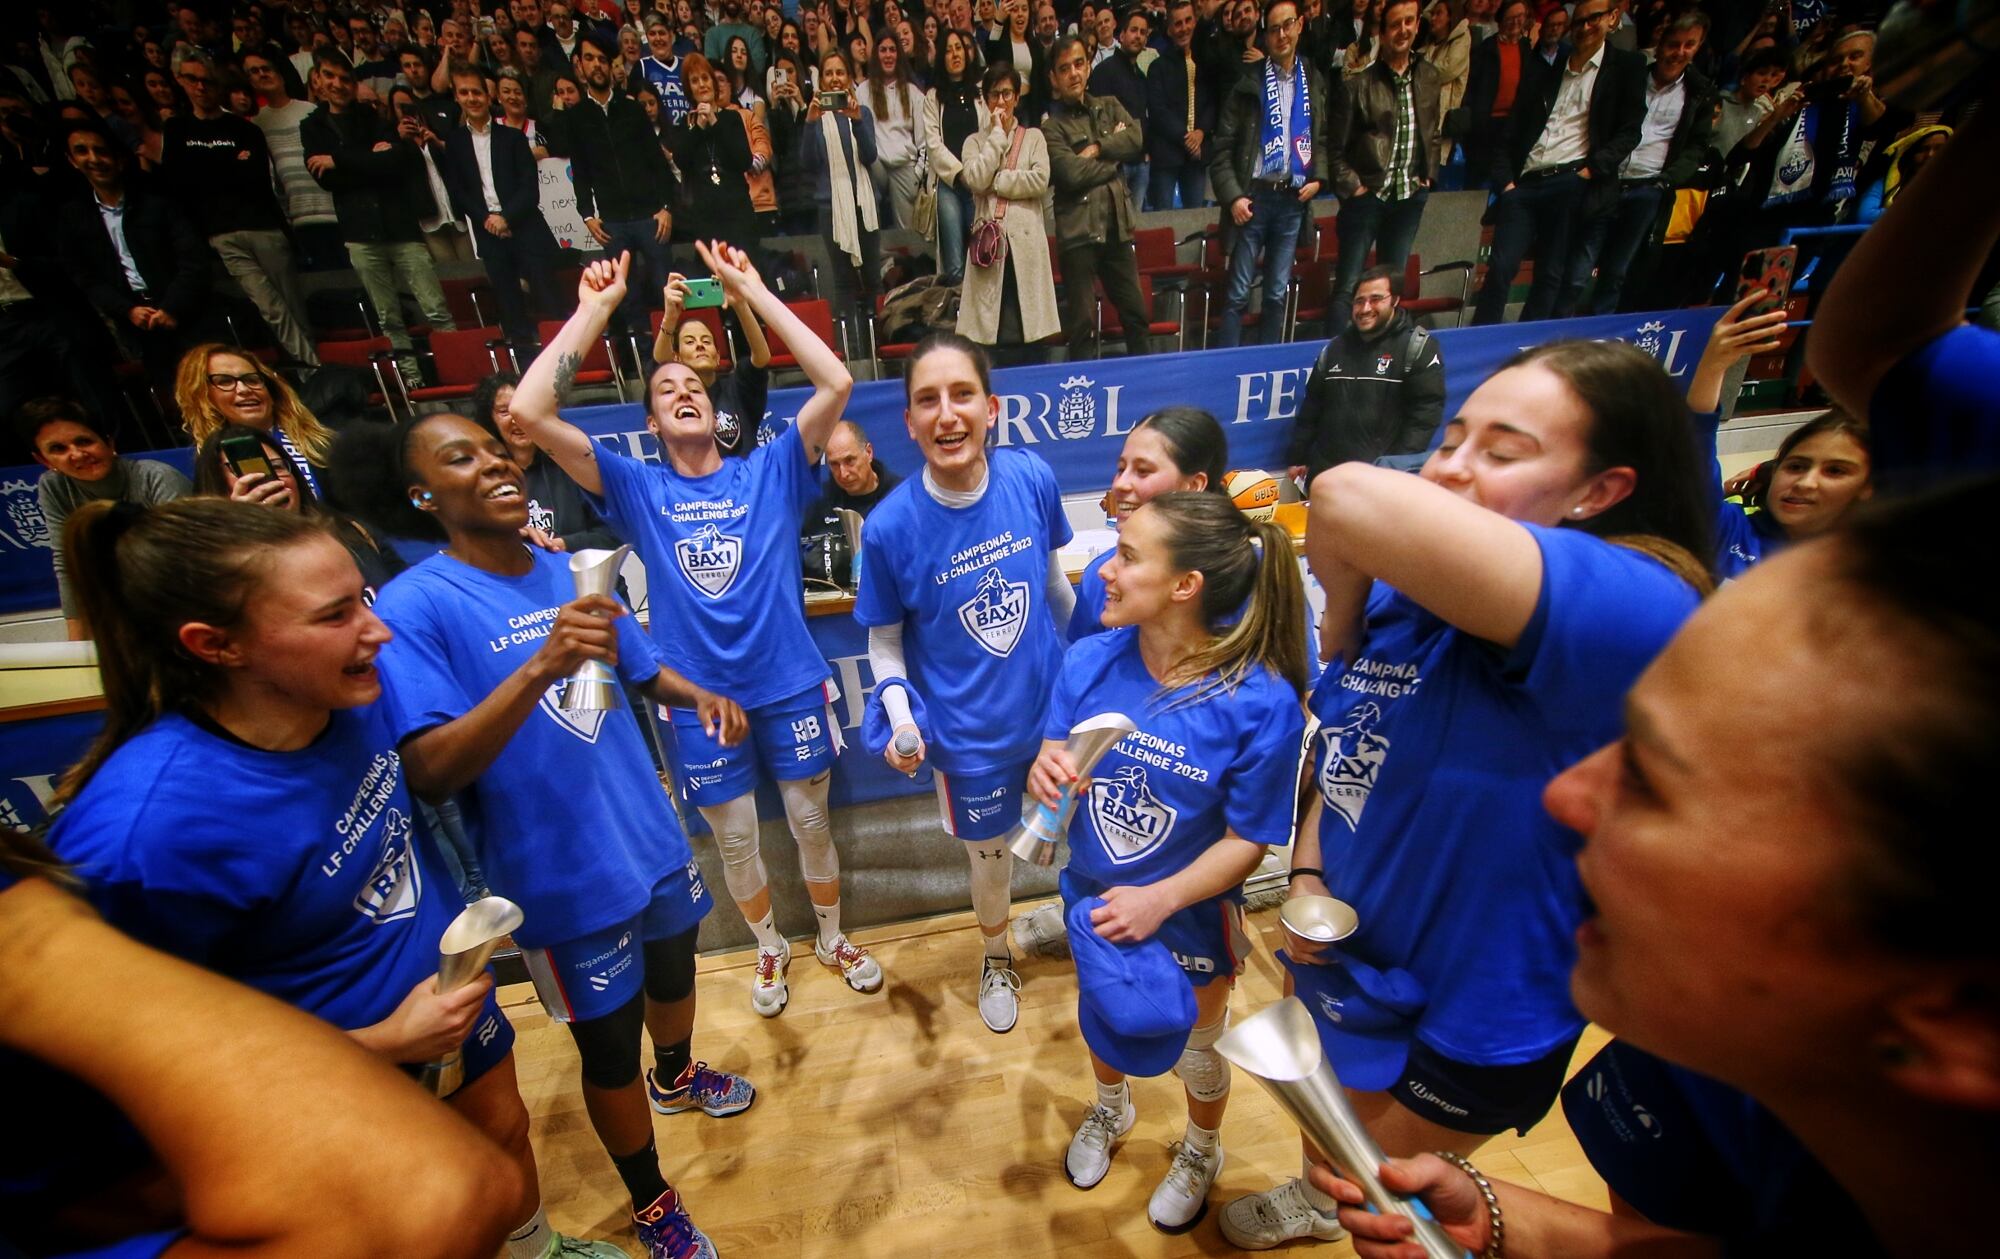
(719, 539)
(245, 807)
(962, 593)
(1201, 651)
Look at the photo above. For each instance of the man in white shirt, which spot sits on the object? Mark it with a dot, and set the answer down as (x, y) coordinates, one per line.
(495, 187)
(1676, 141)
(1573, 126)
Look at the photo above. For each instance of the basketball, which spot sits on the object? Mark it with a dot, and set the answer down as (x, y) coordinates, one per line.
(1254, 492)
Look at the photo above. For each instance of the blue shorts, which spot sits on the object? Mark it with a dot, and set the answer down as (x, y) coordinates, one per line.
(490, 1040)
(980, 807)
(1207, 938)
(793, 739)
(593, 975)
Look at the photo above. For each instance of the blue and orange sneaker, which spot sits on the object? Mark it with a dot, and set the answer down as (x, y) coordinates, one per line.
(667, 1233)
(718, 1094)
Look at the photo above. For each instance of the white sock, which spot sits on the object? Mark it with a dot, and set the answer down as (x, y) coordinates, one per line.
(1203, 1139)
(829, 922)
(766, 932)
(998, 950)
(533, 1239)
(1114, 1097)
(1324, 1203)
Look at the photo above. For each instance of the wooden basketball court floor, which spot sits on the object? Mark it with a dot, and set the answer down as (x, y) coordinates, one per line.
(895, 1124)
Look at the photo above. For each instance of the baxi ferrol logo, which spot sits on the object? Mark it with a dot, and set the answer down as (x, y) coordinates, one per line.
(709, 560)
(1131, 820)
(25, 529)
(1354, 756)
(996, 613)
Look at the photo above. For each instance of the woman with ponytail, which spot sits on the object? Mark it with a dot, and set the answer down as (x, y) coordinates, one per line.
(1485, 620)
(244, 808)
(1202, 652)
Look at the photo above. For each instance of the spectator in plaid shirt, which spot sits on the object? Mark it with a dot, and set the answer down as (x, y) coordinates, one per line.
(1384, 172)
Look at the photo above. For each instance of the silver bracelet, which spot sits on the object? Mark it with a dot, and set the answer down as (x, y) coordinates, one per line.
(1496, 1228)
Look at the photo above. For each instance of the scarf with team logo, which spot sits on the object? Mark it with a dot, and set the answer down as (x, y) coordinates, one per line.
(1816, 133)
(1298, 161)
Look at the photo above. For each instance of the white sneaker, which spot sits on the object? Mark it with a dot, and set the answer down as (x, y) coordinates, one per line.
(1182, 1198)
(1089, 1154)
(1042, 932)
(999, 1003)
(768, 990)
(861, 971)
(1277, 1215)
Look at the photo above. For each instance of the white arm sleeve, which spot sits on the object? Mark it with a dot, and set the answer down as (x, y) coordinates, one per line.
(1062, 597)
(885, 657)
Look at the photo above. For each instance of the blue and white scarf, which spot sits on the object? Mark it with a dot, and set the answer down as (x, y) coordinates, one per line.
(1298, 162)
(1816, 133)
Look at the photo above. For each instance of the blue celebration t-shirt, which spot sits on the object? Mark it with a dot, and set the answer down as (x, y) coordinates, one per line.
(1164, 794)
(1087, 617)
(569, 821)
(722, 566)
(301, 874)
(1743, 538)
(1692, 1153)
(1430, 760)
(969, 586)
(1935, 415)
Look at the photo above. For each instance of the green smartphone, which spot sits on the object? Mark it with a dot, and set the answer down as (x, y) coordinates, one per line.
(245, 455)
(705, 291)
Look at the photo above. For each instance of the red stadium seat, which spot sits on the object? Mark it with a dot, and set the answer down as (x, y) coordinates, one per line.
(460, 361)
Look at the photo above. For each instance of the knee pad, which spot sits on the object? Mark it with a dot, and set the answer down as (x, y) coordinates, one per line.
(735, 825)
(1204, 1071)
(670, 967)
(806, 811)
(609, 1045)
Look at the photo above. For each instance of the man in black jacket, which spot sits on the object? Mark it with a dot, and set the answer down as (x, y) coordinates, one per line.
(1675, 143)
(218, 166)
(1384, 172)
(1497, 66)
(1573, 126)
(1270, 160)
(375, 177)
(1180, 116)
(140, 260)
(623, 184)
(1121, 76)
(496, 187)
(1376, 391)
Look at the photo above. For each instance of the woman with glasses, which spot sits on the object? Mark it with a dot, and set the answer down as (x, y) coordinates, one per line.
(219, 384)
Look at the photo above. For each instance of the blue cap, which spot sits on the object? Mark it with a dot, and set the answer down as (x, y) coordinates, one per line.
(1366, 1017)
(1133, 1001)
(877, 729)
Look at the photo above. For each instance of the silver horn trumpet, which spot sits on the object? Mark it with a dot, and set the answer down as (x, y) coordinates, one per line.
(1281, 1047)
(594, 687)
(1034, 839)
(467, 946)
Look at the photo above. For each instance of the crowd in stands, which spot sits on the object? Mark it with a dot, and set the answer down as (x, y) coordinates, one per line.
(186, 175)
